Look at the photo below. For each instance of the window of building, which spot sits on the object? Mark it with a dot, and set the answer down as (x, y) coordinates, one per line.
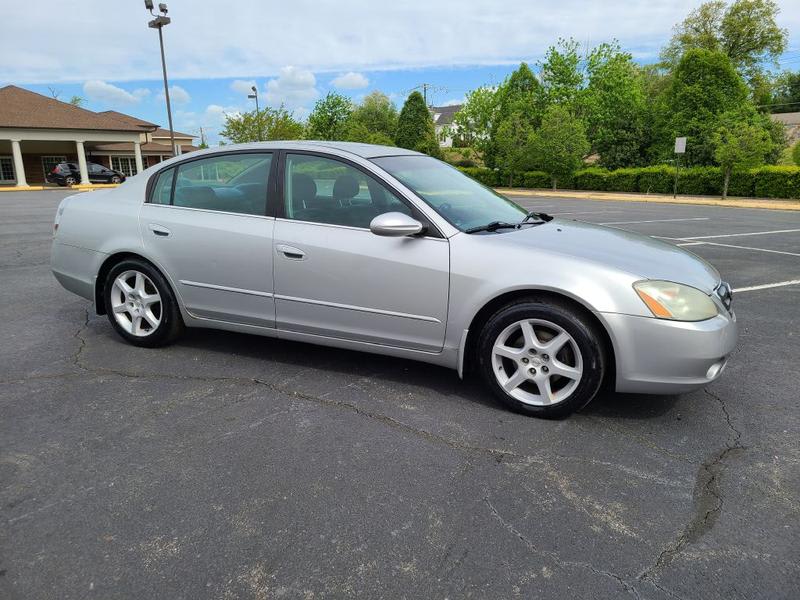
(234, 183)
(124, 164)
(49, 162)
(7, 169)
(323, 190)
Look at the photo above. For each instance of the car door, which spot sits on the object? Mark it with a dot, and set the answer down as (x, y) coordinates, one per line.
(335, 278)
(206, 224)
(95, 172)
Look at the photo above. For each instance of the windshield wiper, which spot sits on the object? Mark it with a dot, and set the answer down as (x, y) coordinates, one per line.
(493, 226)
(543, 217)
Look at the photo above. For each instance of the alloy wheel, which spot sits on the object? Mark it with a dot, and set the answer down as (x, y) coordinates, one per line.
(537, 362)
(136, 303)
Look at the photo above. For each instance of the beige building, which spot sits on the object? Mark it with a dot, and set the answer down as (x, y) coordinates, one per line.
(37, 133)
(791, 125)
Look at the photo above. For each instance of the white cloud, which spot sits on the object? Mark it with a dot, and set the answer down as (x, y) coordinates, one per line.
(293, 88)
(350, 81)
(256, 44)
(177, 95)
(453, 102)
(100, 91)
(242, 86)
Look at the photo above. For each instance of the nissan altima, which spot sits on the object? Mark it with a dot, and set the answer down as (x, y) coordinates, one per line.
(389, 251)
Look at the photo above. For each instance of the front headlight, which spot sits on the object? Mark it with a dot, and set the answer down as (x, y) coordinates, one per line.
(668, 300)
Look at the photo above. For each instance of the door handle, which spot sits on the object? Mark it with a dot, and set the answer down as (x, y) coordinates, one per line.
(291, 252)
(159, 230)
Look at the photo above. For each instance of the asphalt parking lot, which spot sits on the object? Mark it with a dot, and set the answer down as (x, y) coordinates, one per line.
(231, 466)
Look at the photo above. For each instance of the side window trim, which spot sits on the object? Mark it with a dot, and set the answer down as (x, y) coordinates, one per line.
(430, 228)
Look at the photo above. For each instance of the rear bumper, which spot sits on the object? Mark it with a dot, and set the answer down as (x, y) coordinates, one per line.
(75, 268)
(656, 356)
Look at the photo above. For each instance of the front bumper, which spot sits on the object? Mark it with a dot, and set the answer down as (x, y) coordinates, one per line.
(657, 356)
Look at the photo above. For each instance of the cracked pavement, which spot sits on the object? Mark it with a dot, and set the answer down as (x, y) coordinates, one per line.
(232, 466)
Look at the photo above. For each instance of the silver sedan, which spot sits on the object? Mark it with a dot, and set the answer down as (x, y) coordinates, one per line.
(390, 251)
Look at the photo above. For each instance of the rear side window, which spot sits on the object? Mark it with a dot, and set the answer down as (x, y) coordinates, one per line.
(162, 191)
(234, 183)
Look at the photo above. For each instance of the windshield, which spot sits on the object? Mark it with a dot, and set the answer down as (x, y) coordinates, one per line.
(462, 201)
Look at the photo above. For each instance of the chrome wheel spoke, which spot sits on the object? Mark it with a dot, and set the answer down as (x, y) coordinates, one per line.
(148, 299)
(508, 352)
(123, 286)
(150, 318)
(554, 345)
(545, 390)
(139, 284)
(514, 381)
(559, 368)
(120, 308)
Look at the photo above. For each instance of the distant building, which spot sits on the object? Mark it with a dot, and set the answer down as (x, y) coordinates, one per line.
(791, 124)
(37, 133)
(442, 120)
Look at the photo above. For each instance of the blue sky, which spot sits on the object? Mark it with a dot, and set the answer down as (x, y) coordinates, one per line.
(297, 52)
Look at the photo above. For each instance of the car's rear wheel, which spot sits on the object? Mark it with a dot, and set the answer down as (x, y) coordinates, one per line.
(70, 181)
(541, 357)
(140, 304)
(115, 179)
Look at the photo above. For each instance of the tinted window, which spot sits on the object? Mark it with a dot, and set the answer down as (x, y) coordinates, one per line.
(458, 198)
(323, 190)
(163, 188)
(234, 183)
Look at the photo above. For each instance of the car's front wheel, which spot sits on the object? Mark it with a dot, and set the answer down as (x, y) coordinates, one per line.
(116, 179)
(140, 304)
(541, 357)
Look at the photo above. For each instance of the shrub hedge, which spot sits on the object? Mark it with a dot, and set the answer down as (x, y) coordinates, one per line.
(763, 182)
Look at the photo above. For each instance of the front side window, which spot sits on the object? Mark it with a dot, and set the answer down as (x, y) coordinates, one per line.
(324, 190)
(461, 200)
(235, 183)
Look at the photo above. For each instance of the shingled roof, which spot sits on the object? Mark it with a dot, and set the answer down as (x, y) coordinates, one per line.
(443, 115)
(23, 109)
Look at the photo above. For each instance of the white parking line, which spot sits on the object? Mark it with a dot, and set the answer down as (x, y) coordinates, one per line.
(586, 212)
(767, 286)
(655, 221)
(751, 248)
(691, 244)
(725, 235)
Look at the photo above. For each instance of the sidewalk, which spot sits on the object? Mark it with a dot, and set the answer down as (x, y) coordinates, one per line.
(38, 188)
(770, 203)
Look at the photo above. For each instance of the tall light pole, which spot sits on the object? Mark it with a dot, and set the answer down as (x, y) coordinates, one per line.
(158, 23)
(254, 96)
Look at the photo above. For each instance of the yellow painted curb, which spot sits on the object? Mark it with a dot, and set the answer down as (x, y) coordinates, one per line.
(27, 188)
(767, 203)
(93, 186)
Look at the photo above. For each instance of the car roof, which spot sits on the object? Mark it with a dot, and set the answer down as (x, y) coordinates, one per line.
(362, 150)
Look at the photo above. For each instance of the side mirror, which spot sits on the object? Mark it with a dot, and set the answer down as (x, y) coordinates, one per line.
(395, 224)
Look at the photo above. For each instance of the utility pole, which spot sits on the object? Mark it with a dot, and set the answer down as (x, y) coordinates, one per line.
(428, 86)
(158, 23)
(254, 96)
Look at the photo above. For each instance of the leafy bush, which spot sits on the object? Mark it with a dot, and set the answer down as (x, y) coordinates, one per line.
(796, 154)
(777, 182)
(765, 182)
(484, 175)
(465, 162)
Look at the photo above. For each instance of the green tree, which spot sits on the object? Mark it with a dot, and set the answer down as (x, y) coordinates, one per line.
(561, 75)
(376, 114)
(615, 107)
(796, 154)
(512, 139)
(415, 129)
(746, 31)
(77, 101)
(327, 119)
(739, 144)
(473, 124)
(703, 85)
(560, 144)
(786, 95)
(266, 124)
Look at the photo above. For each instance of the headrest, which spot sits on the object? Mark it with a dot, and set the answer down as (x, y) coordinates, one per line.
(303, 187)
(346, 186)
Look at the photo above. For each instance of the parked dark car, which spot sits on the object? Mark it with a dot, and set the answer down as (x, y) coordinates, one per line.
(68, 173)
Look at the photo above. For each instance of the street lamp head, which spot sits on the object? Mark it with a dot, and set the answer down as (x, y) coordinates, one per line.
(255, 91)
(162, 7)
(148, 4)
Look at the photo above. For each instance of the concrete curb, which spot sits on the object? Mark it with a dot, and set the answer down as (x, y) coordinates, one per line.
(765, 203)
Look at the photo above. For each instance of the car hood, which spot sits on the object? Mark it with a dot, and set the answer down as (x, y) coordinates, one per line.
(639, 255)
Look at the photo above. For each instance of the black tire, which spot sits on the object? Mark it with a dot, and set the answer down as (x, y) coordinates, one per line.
(171, 324)
(116, 179)
(583, 331)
